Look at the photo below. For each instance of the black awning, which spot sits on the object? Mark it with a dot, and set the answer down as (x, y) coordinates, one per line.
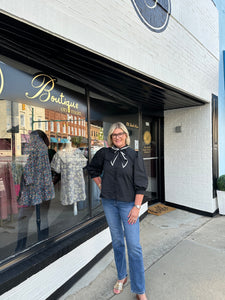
(36, 48)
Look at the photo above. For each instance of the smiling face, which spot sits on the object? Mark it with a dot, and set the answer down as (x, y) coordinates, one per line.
(119, 138)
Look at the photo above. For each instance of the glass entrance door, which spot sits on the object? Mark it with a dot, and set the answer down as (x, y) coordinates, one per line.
(150, 155)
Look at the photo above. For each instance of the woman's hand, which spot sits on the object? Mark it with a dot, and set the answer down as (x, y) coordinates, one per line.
(133, 215)
(98, 181)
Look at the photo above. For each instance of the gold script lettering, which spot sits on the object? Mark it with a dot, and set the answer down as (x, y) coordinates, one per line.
(45, 84)
(63, 101)
(44, 87)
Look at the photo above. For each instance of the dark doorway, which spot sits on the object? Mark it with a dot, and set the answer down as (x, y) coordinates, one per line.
(152, 151)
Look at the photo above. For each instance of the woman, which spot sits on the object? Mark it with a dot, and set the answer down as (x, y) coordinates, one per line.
(120, 174)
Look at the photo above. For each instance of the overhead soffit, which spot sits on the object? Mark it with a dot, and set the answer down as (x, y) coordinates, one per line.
(35, 47)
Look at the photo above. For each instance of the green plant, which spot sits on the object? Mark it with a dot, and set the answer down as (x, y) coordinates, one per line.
(221, 183)
(76, 140)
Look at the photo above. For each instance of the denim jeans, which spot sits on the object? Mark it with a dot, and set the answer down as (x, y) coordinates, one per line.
(116, 213)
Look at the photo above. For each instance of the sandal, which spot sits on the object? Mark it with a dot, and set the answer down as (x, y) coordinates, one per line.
(118, 287)
(137, 296)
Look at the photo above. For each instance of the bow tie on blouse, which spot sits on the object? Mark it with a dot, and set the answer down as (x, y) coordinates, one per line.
(117, 152)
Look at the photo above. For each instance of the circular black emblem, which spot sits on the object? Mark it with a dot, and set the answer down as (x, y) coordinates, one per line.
(153, 13)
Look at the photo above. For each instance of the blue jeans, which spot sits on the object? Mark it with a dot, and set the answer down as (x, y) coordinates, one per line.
(116, 213)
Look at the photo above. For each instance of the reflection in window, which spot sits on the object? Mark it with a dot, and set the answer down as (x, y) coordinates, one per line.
(31, 122)
(39, 123)
(64, 128)
(5, 144)
(52, 126)
(58, 127)
(22, 120)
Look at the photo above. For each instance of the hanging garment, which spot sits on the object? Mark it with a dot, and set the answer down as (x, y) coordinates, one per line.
(70, 164)
(8, 203)
(36, 185)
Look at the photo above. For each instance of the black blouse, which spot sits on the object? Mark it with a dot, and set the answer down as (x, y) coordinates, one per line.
(122, 171)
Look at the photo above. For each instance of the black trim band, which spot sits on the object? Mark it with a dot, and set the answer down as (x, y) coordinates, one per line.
(66, 286)
(193, 210)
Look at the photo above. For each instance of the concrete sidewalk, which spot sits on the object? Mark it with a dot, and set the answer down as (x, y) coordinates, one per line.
(184, 258)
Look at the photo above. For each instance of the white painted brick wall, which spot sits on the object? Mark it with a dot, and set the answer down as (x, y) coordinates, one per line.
(188, 158)
(185, 55)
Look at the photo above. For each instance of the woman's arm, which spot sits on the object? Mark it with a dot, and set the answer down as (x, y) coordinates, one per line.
(140, 185)
(138, 199)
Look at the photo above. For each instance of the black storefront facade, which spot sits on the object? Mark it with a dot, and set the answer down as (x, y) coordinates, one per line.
(50, 82)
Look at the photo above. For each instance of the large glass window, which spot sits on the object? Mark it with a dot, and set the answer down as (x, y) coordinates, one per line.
(43, 188)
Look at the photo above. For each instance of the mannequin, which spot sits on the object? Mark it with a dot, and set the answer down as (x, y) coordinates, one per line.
(70, 162)
(36, 189)
(68, 147)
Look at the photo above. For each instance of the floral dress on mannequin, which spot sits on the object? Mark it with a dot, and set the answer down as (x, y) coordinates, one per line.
(70, 163)
(36, 185)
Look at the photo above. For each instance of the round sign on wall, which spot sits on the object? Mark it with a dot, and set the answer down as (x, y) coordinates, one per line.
(153, 13)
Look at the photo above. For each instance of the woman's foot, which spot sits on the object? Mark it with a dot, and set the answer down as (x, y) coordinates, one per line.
(141, 297)
(118, 287)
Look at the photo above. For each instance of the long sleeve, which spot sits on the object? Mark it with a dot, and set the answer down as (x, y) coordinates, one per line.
(82, 159)
(140, 176)
(95, 168)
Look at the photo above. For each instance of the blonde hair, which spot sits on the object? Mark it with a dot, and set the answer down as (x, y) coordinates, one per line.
(115, 126)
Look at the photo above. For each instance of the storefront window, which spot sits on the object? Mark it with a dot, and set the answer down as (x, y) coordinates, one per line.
(105, 112)
(43, 186)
